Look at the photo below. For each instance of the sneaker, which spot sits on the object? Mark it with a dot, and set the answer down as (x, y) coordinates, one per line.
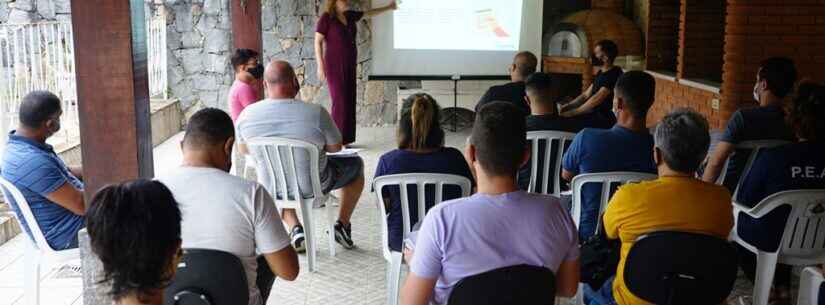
(343, 235)
(297, 236)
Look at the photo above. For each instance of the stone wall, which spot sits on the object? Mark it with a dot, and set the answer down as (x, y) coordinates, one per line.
(27, 11)
(199, 39)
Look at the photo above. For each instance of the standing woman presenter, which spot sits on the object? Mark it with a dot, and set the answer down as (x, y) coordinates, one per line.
(337, 55)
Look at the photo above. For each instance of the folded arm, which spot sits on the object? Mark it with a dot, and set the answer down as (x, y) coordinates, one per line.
(69, 197)
(591, 103)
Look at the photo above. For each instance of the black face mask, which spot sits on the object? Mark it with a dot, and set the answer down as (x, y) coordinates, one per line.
(596, 61)
(257, 72)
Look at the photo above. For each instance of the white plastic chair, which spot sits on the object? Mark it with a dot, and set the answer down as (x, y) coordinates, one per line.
(38, 253)
(547, 137)
(420, 180)
(607, 180)
(803, 240)
(809, 282)
(278, 162)
(754, 147)
(248, 162)
(241, 169)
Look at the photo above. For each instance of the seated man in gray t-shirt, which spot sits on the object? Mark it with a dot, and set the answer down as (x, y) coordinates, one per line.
(281, 115)
(225, 212)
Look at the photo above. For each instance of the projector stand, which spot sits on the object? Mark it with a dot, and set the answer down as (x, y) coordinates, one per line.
(455, 117)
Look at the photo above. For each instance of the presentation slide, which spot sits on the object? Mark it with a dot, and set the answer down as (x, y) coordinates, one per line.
(447, 38)
(483, 25)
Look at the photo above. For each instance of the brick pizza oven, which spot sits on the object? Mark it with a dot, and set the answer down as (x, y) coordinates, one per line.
(569, 43)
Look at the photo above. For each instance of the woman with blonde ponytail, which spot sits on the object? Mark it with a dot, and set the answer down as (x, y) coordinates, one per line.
(420, 150)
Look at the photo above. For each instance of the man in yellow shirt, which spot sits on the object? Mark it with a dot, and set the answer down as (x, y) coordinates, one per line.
(676, 201)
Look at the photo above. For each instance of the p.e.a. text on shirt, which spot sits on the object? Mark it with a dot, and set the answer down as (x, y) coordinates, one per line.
(807, 172)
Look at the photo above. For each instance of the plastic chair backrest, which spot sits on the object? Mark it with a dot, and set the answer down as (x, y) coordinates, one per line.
(279, 162)
(607, 180)
(803, 241)
(522, 284)
(810, 286)
(670, 268)
(420, 180)
(28, 217)
(547, 139)
(208, 277)
(754, 147)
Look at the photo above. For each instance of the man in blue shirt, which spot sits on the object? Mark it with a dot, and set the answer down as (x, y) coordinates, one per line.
(797, 166)
(774, 81)
(628, 146)
(53, 190)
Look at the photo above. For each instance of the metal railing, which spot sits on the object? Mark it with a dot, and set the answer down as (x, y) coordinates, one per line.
(37, 56)
(40, 56)
(156, 29)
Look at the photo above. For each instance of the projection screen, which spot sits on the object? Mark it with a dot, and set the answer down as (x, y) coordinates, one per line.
(453, 37)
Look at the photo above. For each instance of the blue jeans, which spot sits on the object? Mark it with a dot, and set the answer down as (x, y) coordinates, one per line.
(603, 296)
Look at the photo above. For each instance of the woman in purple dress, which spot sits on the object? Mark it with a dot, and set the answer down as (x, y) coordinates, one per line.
(337, 56)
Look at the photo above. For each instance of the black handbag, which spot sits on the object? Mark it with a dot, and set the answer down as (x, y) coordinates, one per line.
(599, 259)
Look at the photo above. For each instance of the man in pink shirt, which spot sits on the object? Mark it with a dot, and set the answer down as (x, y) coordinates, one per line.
(247, 71)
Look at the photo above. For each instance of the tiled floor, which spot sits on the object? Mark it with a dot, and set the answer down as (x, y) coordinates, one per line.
(351, 277)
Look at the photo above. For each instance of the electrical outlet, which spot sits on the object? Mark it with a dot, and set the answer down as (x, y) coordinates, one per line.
(714, 104)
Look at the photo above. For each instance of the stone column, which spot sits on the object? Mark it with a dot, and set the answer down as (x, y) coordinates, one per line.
(94, 292)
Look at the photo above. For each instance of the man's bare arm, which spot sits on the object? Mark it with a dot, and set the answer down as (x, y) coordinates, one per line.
(717, 161)
(283, 263)
(69, 197)
(417, 290)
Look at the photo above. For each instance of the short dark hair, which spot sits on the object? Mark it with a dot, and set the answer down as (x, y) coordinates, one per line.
(526, 63)
(207, 127)
(540, 84)
(38, 107)
(780, 75)
(609, 48)
(638, 90)
(499, 136)
(806, 111)
(242, 56)
(683, 139)
(134, 229)
(420, 126)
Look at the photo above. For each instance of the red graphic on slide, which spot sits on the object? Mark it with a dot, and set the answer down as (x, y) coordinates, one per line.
(487, 22)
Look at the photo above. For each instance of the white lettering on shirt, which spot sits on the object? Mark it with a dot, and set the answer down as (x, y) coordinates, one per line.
(807, 172)
(795, 170)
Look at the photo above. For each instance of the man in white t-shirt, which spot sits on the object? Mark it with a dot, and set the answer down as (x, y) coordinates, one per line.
(225, 212)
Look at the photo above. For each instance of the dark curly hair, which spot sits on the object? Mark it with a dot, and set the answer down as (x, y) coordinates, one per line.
(134, 229)
(241, 56)
(806, 111)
